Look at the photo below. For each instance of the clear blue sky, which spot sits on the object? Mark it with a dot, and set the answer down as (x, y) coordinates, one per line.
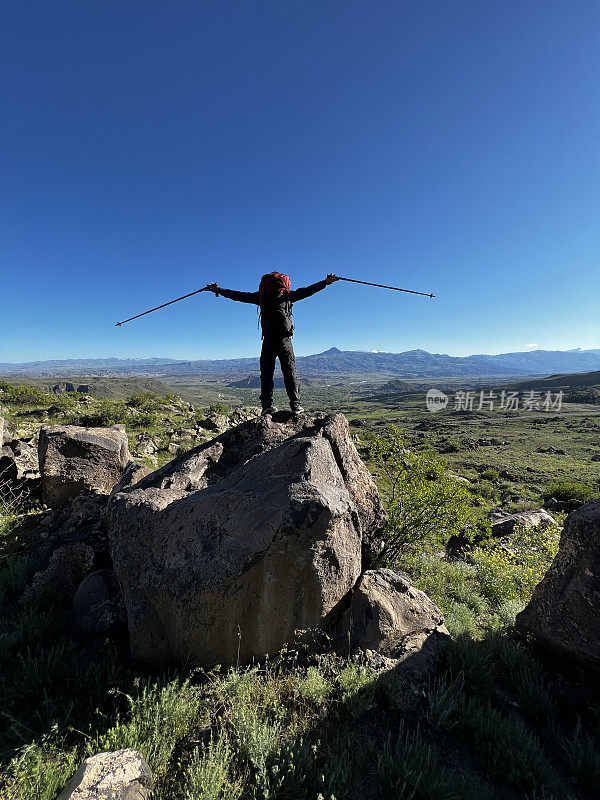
(149, 147)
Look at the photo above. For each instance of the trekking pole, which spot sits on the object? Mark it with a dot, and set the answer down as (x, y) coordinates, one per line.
(177, 299)
(383, 286)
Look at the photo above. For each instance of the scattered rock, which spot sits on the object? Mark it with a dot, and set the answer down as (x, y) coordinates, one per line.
(231, 548)
(244, 414)
(59, 581)
(120, 775)
(564, 611)
(389, 615)
(74, 459)
(564, 506)
(145, 446)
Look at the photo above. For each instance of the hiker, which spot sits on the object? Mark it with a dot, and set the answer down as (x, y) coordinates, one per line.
(274, 298)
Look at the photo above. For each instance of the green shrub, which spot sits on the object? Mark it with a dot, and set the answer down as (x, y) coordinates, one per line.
(508, 610)
(39, 770)
(159, 716)
(143, 401)
(357, 684)
(314, 688)
(22, 395)
(105, 413)
(460, 619)
(451, 446)
(505, 575)
(218, 408)
(425, 506)
(491, 475)
(208, 775)
(569, 490)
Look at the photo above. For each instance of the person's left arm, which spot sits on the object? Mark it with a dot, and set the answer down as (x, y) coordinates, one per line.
(308, 291)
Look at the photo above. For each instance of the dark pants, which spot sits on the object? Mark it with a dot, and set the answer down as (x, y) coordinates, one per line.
(284, 351)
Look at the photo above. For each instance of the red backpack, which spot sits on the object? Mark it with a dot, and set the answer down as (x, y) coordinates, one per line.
(273, 282)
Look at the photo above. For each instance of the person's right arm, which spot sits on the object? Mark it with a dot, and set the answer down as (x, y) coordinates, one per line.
(232, 294)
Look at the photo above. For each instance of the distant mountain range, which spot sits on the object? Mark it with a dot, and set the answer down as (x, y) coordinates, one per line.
(332, 363)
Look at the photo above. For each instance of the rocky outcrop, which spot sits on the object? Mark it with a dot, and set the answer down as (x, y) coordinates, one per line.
(120, 775)
(229, 550)
(390, 616)
(74, 459)
(564, 611)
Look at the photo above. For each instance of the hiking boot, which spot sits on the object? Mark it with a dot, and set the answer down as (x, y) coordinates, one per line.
(268, 410)
(297, 409)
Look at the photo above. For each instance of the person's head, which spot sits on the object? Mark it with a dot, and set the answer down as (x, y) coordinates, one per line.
(273, 282)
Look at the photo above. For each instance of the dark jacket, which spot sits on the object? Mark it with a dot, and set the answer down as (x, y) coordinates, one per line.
(276, 309)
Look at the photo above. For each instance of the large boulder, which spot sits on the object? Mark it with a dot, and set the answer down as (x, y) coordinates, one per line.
(564, 611)
(231, 549)
(389, 615)
(74, 459)
(120, 775)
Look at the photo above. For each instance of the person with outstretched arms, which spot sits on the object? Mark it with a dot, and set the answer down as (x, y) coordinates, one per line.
(275, 298)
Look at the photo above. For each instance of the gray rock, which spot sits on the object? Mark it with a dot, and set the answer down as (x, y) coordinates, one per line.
(234, 546)
(132, 474)
(390, 616)
(360, 484)
(1, 432)
(459, 478)
(145, 446)
(74, 459)
(504, 525)
(215, 422)
(564, 611)
(120, 775)
(96, 606)
(59, 581)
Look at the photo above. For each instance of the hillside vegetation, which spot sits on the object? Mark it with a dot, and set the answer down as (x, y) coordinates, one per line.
(499, 720)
